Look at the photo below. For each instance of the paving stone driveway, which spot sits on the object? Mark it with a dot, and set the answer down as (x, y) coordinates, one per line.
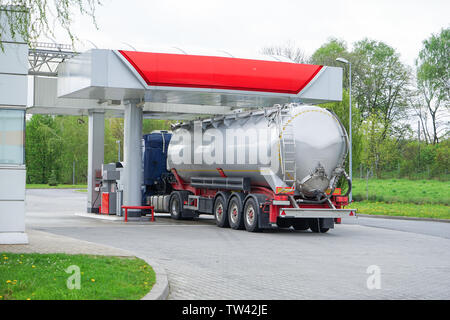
(206, 262)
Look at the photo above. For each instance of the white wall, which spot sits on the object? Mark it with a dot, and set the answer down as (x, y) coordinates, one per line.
(13, 95)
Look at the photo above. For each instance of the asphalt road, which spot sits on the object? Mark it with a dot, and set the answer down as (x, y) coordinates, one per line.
(412, 258)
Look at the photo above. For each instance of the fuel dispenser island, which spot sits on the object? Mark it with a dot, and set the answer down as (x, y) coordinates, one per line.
(111, 191)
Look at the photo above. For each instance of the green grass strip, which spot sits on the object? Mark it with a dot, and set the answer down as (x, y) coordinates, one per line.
(44, 277)
(59, 186)
(403, 191)
(403, 209)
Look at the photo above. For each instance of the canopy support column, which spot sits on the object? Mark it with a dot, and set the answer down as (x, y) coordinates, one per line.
(96, 143)
(132, 156)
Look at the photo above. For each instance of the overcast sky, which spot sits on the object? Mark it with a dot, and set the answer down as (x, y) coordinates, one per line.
(244, 27)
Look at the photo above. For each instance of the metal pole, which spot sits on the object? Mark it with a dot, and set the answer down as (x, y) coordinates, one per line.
(73, 173)
(118, 151)
(350, 129)
(418, 135)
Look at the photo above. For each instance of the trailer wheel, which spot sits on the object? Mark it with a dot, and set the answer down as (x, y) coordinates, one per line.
(220, 213)
(235, 216)
(314, 225)
(175, 206)
(251, 215)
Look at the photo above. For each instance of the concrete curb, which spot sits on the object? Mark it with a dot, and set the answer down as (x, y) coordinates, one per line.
(160, 290)
(99, 216)
(403, 218)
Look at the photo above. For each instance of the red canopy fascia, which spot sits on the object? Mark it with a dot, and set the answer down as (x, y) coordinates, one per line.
(195, 71)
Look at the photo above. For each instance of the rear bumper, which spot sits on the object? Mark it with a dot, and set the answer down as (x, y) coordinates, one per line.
(317, 213)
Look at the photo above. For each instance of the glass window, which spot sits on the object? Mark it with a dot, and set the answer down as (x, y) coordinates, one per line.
(12, 127)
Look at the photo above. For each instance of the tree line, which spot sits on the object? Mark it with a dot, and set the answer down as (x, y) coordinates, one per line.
(56, 147)
(400, 113)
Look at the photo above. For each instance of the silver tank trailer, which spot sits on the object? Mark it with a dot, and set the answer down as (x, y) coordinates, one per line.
(261, 145)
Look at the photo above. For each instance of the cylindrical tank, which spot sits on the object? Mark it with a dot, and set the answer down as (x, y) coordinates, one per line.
(260, 144)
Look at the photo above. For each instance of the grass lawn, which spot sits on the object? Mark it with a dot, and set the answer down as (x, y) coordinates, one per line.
(43, 277)
(434, 211)
(59, 186)
(403, 191)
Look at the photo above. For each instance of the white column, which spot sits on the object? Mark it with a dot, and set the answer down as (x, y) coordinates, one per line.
(132, 155)
(96, 137)
(13, 101)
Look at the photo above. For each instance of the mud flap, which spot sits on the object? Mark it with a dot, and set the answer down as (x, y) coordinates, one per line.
(263, 216)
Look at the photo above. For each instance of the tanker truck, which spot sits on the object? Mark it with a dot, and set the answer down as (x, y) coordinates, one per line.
(253, 170)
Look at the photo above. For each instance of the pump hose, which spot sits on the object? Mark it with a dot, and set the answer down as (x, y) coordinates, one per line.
(98, 194)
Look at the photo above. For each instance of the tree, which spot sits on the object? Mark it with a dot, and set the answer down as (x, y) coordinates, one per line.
(74, 150)
(43, 148)
(288, 50)
(148, 125)
(328, 53)
(381, 88)
(30, 19)
(433, 79)
(341, 110)
(380, 83)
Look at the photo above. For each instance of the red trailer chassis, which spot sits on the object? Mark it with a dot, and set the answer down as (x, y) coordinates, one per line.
(272, 209)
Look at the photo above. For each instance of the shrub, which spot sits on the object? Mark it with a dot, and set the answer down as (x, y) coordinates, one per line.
(53, 180)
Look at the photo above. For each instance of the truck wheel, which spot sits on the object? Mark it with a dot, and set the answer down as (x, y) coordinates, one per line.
(175, 206)
(300, 224)
(251, 215)
(220, 213)
(235, 217)
(314, 225)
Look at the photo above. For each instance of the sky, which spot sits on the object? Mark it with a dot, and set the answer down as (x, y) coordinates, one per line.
(244, 27)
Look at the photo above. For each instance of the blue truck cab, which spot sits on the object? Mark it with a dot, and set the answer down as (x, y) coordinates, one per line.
(154, 156)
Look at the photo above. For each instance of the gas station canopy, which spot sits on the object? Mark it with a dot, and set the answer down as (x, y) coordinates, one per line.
(167, 83)
(136, 85)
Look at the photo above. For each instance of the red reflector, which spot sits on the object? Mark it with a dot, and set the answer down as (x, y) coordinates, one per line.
(283, 213)
(351, 213)
(341, 199)
(185, 202)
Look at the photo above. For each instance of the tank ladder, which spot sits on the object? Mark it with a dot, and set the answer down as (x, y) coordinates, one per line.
(287, 146)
